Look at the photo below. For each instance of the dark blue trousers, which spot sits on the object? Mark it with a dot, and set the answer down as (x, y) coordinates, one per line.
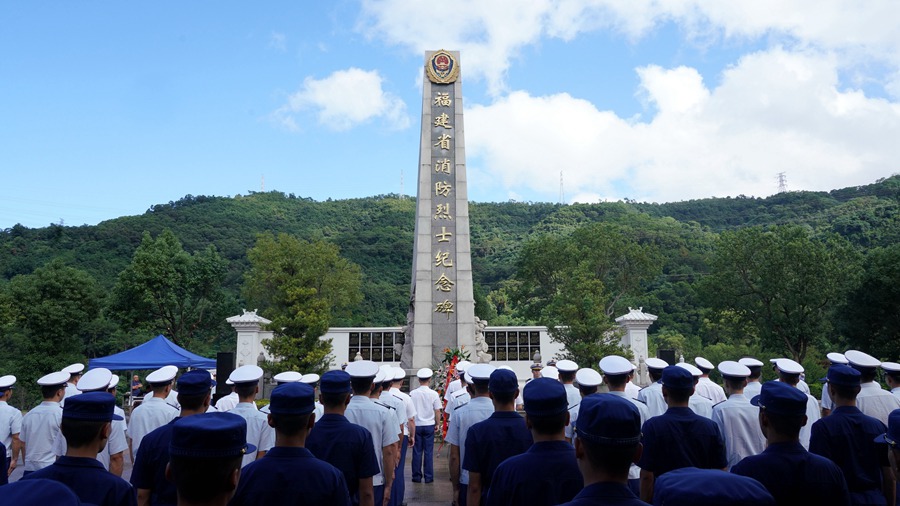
(423, 450)
(399, 488)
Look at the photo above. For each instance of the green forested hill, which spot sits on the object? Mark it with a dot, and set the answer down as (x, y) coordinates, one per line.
(377, 234)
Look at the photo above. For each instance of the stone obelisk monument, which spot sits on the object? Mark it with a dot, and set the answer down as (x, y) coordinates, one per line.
(442, 305)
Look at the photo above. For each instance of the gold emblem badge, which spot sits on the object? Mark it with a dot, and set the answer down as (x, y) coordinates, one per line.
(442, 68)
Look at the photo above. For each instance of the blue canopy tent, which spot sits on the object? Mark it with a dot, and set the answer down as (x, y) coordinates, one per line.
(153, 354)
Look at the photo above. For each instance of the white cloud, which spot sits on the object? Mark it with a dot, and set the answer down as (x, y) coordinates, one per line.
(774, 111)
(342, 100)
(492, 34)
(278, 41)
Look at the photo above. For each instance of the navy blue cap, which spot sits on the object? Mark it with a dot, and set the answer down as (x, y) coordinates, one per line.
(892, 436)
(37, 491)
(609, 420)
(293, 399)
(503, 381)
(690, 486)
(780, 398)
(91, 406)
(841, 375)
(195, 382)
(209, 435)
(544, 397)
(677, 378)
(335, 382)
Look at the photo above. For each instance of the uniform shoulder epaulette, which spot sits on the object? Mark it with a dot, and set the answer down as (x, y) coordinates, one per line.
(638, 400)
(461, 405)
(573, 406)
(720, 402)
(384, 405)
(398, 397)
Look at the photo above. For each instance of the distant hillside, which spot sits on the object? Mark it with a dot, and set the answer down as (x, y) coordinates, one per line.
(377, 233)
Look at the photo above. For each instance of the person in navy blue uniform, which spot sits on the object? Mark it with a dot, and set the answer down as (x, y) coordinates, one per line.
(892, 439)
(86, 425)
(608, 442)
(149, 473)
(205, 456)
(679, 437)
(289, 474)
(790, 473)
(547, 473)
(344, 445)
(41, 492)
(490, 442)
(3, 476)
(847, 438)
(690, 486)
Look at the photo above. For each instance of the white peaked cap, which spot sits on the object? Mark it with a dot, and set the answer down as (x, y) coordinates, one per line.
(614, 364)
(787, 366)
(837, 358)
(287, 377)
(249, 373)
(424, 373)
(463, 365)
(7, 381)
(656, 363)
(734, 369)
(508, 368)
(74, 368)
(691, 369)
(588, 377)
(550, 372)
(750, 362)
(467, 378)
(567, 366)
(380, 376)
(313, 378)
(167, 373)
(702, 362)
(892, 367)
(399, 373)
(479, 372)
(860, 359)
(54, 378)
(113, 382)
(95, 379)
(362, 369)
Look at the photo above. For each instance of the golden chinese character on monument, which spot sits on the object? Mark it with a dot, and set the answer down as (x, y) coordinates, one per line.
(442, 212)
(443, 121)
(442, 189)
(444, 236)
(443, 141)
(442, 259)
(444, 284)
(443, 99)
(442, 166)
(445, 307)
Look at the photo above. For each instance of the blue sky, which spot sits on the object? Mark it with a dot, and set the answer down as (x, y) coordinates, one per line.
(108, 108)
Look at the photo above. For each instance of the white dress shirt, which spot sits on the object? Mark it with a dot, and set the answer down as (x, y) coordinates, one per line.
(738, 420)
(410, 408)
(876, 402)
(426, 401)
(710, 390)
(364, 412)
(150, 415)
(10, 423)
(259, 433)
(476, 410)
(228, 402)
(653, 397)
(40, 428)
(700, 405)
(813, 413)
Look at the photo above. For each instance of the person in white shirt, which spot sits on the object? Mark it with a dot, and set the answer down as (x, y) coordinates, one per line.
(617, 372)
(75, 371)
(705, 386)
(477, 409)
(737, 418)
(456, 384)
(698, 404)
(228, 402)
(363, 411)
(153, 411)
(588, 382)
(652, 395)
(40, 426)
(754, 386)
(409, 430)
(872, 400)
(789, 372)
(536, 369)
(827, 404)
(259, 433)
(459, 398)
(428, 416)
(892, 377)
(10, 425)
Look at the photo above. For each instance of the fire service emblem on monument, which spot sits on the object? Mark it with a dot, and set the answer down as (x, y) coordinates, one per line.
(442, 68)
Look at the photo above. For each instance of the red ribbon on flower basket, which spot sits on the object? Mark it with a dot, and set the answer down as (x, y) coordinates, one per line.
(451, 371)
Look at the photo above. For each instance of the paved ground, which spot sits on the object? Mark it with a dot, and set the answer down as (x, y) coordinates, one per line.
(438, 492)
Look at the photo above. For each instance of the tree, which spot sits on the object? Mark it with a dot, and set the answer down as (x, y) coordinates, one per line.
(782, 281)
(165, 289)
(301, 286)
(870, 319)
(572, 285)
(54, 307)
